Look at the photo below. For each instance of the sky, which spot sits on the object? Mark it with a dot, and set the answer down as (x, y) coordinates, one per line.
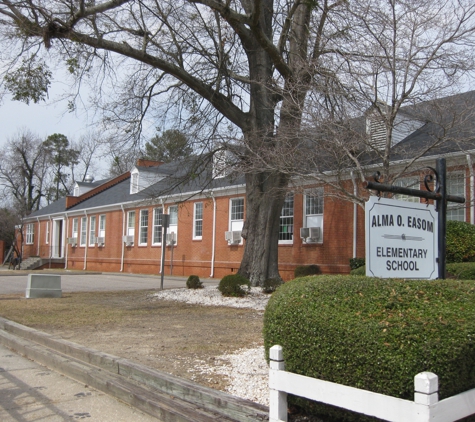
(41, 119)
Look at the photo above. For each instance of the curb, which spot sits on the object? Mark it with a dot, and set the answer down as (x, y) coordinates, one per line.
(169, 398)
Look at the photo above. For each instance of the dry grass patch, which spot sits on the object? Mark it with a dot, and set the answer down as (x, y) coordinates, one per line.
(174, 337)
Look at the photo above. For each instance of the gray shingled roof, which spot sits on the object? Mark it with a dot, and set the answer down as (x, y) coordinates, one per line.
(177, 182)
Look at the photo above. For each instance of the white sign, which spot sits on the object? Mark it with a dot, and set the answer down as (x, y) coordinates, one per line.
(401, 239)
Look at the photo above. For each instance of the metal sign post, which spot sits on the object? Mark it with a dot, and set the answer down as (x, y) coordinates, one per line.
(439, 194)
(165, 224)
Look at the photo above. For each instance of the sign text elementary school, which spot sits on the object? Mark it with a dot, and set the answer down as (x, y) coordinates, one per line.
(401, 239)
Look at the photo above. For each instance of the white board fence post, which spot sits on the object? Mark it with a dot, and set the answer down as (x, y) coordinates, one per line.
(278, 399)
(426, 393)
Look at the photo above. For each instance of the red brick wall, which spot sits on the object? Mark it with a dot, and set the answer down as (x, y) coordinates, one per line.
(194, 256)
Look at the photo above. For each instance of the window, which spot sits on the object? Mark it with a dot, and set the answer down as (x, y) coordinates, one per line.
(143, 227)
(75, 228)
(198, 221)
(237, 214)
(407, 182)
(92, 230)
(102, 226)
(286, 228)
(30, 233)
(313, 207)
(173, 227)
(83, 231)
(455, 186)
(47, 232)
(131, 223)
(157, 226)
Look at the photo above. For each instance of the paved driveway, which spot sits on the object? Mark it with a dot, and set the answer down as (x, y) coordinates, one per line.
(15, 282)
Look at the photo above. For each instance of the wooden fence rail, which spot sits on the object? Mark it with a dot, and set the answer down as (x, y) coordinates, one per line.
(425, 407)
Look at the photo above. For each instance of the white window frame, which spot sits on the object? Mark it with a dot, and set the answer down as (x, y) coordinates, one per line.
(131, 224)
(236, 214)
(286, 224)
(157, 226)
(173, 226)
(313, 212)
(92, 230)
(456, 186)
(83, 238)
(102, 226)
(47, 233)
(30, 234)
(412, 182)
(143, 227)
(75, 228)
(198, 220)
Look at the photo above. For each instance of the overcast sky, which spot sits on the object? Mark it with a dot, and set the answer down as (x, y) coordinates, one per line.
(41, 119)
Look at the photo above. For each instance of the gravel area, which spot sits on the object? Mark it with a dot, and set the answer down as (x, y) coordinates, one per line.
(211, 296)
(246, 370)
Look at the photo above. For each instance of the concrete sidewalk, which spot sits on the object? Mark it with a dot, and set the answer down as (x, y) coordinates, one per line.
(31, 392)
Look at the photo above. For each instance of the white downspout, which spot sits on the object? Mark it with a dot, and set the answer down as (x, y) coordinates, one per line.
(213, 247)
(122, 239)
(472, 189)
(162, 260)
(39, 236)
(50, 238)
(355, 215)
(66, 248)
(85, 246)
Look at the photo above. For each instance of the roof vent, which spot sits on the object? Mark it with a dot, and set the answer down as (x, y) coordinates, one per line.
(89, 178)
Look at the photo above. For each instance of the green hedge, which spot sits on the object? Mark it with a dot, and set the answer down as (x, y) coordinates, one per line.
(194, 282)
(359, 271)
(375, 334)
(357, 263)
(460, 240)
(232, 285)
(462, 270)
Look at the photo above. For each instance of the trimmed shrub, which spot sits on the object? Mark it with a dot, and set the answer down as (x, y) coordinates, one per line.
(460, 242)
(375, 334)
(462, 270)
(271, 284)
(304, 270)
(359, 271)
(232, 285)
(357, 263)
(194, 282)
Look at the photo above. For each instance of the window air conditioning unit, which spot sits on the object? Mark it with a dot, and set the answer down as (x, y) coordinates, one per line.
(311, 234)
(100, 241)
(73, 241)
(171, 239)
(128, 240)
(233, 238)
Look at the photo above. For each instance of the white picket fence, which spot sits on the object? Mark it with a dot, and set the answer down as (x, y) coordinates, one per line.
(425, 407)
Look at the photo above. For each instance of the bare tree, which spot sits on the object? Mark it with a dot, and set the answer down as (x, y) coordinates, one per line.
(242, 70)
(90, 148)
(400, 70)
(8, 220)
(23, 168)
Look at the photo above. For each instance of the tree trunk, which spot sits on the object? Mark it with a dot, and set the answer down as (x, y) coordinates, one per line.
(265, 195)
